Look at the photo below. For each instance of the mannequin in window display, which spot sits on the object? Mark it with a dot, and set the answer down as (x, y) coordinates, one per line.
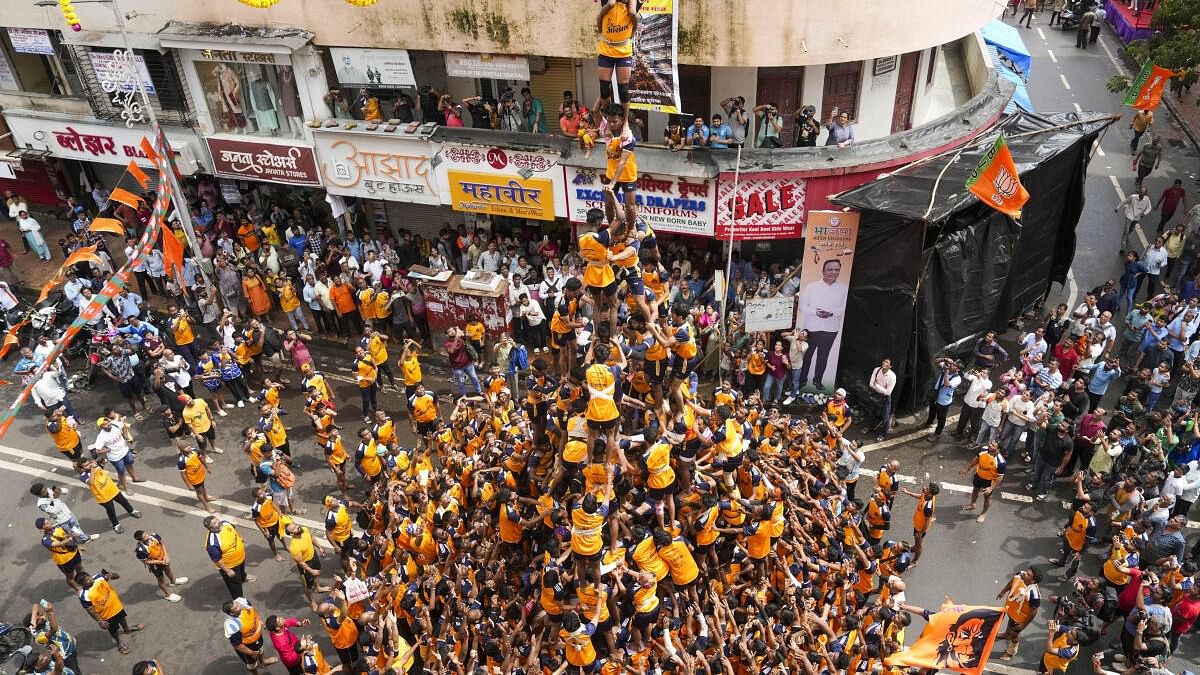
(229, 88)
(262, 98)
(289, 96)
(368, 106)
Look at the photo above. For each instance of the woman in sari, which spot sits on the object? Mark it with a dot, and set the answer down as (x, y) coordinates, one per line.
(255, 291)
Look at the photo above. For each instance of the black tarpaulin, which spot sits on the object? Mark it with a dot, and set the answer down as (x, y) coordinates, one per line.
(926, 287)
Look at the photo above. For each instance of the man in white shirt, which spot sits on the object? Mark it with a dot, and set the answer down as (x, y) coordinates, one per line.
(535, 321)
(373, 267)
(1183, 483)
(110, 444)
(1020, 412)
(973, 403)
(822, 306)
(1137, 206)
(1103, 325)
(1034, 344)
(316, 294)
(1155, 260)
(883, 381)
(550, 288)
(490, 260)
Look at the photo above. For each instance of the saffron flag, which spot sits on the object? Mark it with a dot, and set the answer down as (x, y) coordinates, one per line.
(957, 638)
(110, 225)
(125, 197)
(1146, 90)
(172, 254)
(138, 175)
(996, 181)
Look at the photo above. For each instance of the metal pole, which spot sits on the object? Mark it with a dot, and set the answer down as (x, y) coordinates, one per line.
(737, 177)
(181, 207)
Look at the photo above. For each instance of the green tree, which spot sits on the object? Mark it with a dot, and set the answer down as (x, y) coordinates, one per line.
(1175, 44)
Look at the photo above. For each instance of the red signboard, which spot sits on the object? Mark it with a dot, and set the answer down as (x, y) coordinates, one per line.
(763, 208)
(271, 162)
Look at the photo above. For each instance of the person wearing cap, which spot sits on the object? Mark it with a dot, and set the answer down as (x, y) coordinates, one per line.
(244, 630)
(151, 550)
(43, 622)
(65, 550)
(57, 512)
(111, 444)
(838, 410)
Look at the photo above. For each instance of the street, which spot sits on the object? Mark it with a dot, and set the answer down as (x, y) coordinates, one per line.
(963, 559)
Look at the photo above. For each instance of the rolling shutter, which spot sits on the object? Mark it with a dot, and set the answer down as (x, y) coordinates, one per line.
(549, 85)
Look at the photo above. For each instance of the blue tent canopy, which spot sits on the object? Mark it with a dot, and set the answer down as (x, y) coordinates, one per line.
(1011, 60)
(1011, 48)
(1021, 95)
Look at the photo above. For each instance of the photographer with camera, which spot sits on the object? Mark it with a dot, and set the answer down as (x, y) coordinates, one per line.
(806, 129)
(735, 112)
(769, 126)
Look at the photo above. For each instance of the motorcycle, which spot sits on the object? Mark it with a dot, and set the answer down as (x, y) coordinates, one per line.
(1069, 19)
(16, 649)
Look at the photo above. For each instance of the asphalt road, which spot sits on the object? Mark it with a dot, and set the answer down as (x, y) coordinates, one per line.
(963, 559)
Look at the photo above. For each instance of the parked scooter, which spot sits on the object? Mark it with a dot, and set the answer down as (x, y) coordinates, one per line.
(16, 649)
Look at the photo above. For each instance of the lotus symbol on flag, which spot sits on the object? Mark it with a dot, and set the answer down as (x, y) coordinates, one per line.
(1005, 184)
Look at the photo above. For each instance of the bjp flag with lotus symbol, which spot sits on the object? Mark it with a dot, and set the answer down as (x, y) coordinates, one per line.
(1146, 90)
(996, 181)
(957, 638)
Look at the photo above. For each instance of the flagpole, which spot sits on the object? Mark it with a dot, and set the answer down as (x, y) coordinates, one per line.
(737, 177)
(181, 207)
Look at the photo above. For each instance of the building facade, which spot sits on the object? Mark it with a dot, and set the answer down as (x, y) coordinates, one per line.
(246, 96)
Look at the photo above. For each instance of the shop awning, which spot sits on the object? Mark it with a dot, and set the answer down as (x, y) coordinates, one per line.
(1007, 41)
(96, 38)
(1020, 97)
(228, 36)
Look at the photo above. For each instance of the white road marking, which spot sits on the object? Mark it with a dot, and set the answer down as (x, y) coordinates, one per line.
(911, 436)
(48, 467)
(1078, 109)
(1116, 64)
(1005, 669)
(1099, 150)
(1066, 84)
(1051, 53)
(1041, 34)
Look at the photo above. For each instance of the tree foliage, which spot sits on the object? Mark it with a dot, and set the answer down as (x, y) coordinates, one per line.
(1175, 43)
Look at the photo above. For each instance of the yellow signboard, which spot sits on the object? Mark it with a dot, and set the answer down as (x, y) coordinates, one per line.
(501, 195)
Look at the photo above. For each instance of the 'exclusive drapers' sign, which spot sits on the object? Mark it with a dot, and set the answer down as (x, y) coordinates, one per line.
(667, 204)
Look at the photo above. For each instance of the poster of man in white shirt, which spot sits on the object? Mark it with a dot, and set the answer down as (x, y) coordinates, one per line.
(824, 287)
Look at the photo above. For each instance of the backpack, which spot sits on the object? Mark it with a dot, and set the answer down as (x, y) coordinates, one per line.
(1108, 610)
(283, 474)
(471, 351)
(519, 359)
(272, 341)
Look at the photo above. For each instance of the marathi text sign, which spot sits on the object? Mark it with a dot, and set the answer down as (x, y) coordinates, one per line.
(377, 167)
(88, 142)
(763, 208)
(114, 71)
(666, 204)
(829, 243)
(502, 165)
(292, 164)
(654, 84)
(501, 196)
(31, 41)
(487, 66)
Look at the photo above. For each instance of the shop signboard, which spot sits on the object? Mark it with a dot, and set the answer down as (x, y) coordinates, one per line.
(113, 72)
(762, 208)
(666, 203)
(271, 162)
(487, 66)
(507, 170)
(31, 41)
(375, 166)
(95, 142)
(501, 196)
(377, 68)
(8, 80)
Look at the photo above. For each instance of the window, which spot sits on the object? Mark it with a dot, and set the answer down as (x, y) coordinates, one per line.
(933, 51)
(36, 72)
(255, 99)
(159, 75)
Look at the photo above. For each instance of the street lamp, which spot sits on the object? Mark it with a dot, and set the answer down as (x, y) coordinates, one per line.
(136, 109)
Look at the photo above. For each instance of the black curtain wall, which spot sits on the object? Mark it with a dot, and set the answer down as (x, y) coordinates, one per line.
(927, 286)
